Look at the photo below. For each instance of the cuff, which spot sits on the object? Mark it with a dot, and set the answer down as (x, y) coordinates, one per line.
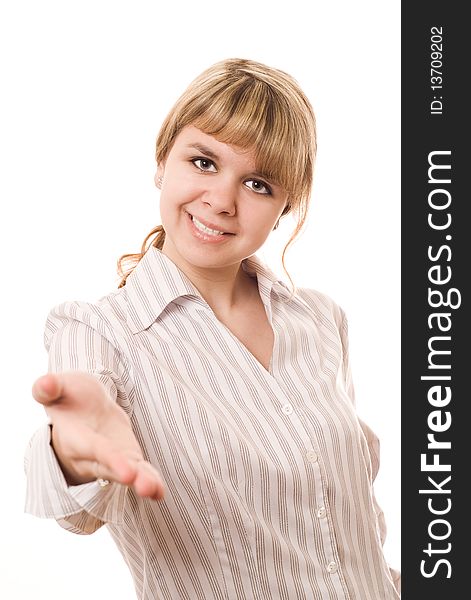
(49, 496)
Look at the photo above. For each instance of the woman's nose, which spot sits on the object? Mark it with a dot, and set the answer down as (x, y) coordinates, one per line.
(222, 197)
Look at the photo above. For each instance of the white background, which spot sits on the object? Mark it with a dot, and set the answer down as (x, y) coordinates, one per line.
(85, 86)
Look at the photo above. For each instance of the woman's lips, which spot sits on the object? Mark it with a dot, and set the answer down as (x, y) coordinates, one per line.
(210, 225)
(205, 235)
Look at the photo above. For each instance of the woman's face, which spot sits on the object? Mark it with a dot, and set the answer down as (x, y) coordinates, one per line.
(215, 208)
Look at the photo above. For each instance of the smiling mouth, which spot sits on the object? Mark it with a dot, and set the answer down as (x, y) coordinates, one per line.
(207, 230)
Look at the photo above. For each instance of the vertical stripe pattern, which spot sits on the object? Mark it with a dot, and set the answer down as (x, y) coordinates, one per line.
(268, 473)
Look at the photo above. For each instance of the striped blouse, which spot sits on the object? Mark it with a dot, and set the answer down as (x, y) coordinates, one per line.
(268, 473)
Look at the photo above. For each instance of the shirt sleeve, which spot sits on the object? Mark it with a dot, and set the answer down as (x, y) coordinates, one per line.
(372, 442)
(79, 508)
(75, 343)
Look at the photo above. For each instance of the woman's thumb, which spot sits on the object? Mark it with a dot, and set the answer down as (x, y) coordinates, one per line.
(47, 389)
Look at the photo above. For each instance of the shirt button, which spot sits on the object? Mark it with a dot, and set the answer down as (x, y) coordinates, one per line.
(311, 456)
(287, 409)
(321, 512)
(332, 567)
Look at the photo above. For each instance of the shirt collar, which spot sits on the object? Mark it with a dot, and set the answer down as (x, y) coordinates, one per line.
(156, 281)
(266, 279)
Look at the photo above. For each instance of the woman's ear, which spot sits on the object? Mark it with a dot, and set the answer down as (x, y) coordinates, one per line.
(159, 175)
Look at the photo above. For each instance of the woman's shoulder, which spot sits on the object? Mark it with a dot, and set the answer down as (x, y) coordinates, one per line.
(100, 308)
(105, 315)
(323, 305)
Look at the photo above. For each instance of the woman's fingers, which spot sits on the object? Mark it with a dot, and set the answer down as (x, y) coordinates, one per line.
(113, 464)
(109, 461)
(140, 475)
(145, 479)
(148, 483)
(47, 389)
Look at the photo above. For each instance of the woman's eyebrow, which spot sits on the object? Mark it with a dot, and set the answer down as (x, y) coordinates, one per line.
(204, 150)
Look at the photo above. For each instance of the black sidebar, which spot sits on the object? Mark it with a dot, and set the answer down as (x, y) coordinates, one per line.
(436, 331)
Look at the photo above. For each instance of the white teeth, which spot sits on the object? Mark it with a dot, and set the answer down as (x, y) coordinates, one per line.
(205, 229)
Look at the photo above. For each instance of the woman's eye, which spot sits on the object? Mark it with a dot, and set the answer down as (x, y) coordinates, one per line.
(258, 186)
(204, 164)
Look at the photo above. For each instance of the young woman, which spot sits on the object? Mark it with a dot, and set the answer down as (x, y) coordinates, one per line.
(204, 411)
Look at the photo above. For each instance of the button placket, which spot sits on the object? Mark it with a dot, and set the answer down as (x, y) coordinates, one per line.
(328, 538)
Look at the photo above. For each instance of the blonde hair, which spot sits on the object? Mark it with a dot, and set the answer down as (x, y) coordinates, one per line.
(247, 104)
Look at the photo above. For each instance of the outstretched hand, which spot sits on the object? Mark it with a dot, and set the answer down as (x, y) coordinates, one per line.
(92, 436)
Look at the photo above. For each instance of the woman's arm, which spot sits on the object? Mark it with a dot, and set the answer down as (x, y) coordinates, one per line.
(371, 440)
(89, 436)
